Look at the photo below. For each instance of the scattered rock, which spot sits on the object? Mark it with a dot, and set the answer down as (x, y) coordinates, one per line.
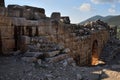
(60, 46)
(65, 63)
(79, 77)
(66, 50)
(29, 59)
(51, 54)
(34, 54)
(57, 58)
(115, 66)
(39, 61)
(70, 60)
(25, 39)
(17, 52)
(48, 77)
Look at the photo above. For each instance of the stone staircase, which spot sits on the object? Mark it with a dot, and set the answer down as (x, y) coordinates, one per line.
(40, 48)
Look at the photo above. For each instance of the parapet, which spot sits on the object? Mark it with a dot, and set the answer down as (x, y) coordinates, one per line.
(2, 3)
(65, 19)
(28, 12)
(56, 15)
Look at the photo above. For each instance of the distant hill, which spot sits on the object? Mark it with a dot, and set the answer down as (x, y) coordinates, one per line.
(111, 20)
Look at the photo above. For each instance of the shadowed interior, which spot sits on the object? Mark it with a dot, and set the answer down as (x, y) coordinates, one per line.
(95, 56)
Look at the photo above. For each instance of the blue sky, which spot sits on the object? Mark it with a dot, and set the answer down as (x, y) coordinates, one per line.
(77, 10)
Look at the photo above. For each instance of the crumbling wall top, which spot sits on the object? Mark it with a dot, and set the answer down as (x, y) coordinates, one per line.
(2, 3)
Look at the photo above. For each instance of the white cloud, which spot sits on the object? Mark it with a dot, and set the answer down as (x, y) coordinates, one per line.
(85, 7)
(104, 1)
(111, 10)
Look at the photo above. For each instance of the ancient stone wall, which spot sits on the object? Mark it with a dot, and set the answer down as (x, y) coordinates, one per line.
(6, 35)
(80, 46)
(83, 42)
(2, 3)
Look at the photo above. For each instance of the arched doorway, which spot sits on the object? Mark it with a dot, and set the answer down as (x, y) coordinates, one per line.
(95, 55)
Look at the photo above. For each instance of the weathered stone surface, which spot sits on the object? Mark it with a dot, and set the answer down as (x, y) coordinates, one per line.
(79, 77)
(29, 59)
(2, 11)
(2, 3)
(39, 61)
(48, 77)
(67, 50)
(8, 48)
(17, 52)
(115, 66)
(70, 60)
(65, 20)
(33, 13)
(57, 58)
(34, 54)
(51, 54)
(25, 40)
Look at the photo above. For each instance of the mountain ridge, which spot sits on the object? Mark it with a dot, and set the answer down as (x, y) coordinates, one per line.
(111, 19)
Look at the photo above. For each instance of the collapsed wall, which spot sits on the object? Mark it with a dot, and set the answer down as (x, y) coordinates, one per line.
(85, 42)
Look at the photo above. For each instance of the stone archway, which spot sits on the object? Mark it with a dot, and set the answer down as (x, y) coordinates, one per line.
(95, 55)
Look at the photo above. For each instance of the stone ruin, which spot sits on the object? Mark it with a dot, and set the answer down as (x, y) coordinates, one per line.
(27, 29)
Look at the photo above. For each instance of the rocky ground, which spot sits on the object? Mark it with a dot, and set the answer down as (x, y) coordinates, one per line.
(15, 67)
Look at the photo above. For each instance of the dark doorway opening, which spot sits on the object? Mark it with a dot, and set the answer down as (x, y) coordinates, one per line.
(95, 55)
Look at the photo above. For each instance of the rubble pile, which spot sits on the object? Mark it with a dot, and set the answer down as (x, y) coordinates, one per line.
(111, 50)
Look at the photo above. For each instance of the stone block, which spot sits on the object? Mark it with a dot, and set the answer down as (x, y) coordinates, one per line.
(70, 60)
(56, 15)
(7, 31)
(115, 66)
(15, 11)
(57, 58)
(33, 13)
(38, 15)
(51, 54)
(65, 20)
(34, 54)
(29, 59)
(79, 77)
(2, 11)
(8, 45)
(67, 50)
(25, 40)
(39, 61)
